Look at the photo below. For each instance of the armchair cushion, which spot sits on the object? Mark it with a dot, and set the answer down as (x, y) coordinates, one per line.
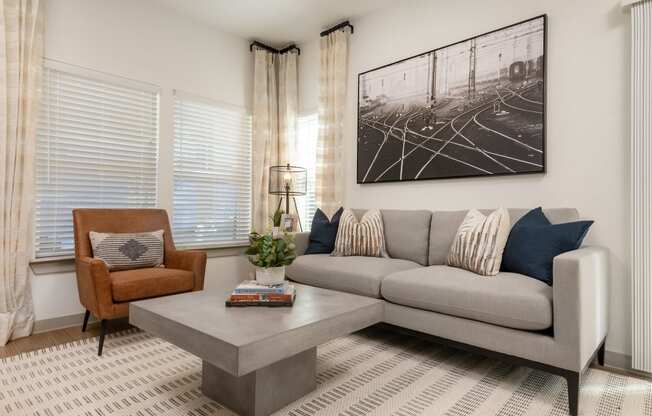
(129, 285)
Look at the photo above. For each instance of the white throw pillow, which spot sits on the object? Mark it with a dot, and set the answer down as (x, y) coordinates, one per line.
(360, 238)
(480, 241)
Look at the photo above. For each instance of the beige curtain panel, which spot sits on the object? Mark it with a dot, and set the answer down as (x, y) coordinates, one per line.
(329, 181)
(265, 134)
(288, 106)
(274, 119)
(21, 56)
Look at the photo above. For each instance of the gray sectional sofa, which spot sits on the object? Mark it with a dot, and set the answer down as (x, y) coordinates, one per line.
(559, 329)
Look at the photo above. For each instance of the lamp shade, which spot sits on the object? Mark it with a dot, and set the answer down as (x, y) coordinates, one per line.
(288, 180)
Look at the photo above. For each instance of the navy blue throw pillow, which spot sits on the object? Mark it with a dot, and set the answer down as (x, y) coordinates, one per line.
(323, 232)
(534, 242)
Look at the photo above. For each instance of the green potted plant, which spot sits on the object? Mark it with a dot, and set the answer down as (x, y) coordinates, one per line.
(270, 255)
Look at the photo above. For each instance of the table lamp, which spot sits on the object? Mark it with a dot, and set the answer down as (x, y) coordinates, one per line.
(288, 181)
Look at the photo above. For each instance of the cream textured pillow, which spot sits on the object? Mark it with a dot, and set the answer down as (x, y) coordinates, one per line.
(360, 238)
(480, 241)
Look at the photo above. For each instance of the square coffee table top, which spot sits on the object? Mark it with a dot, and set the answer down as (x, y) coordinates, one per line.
(243, 339)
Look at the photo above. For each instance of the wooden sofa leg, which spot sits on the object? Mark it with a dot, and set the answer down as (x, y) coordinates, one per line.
(573, 381)
(601, 353)
(86, 316)
(102, 334)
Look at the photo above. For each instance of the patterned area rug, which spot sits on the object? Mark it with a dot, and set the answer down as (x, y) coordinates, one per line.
(374, 372)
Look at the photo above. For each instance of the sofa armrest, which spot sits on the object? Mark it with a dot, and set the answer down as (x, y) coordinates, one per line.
(301, 241)
(580, 301)
(191, 260)
(94, 286)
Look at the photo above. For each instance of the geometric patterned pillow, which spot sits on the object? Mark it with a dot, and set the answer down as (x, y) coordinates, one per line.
(479, 243)
(128, 250)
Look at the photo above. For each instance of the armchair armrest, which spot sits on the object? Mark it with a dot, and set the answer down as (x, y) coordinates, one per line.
(94, 286)
(580, 301)
(301, 240)
(191, 260)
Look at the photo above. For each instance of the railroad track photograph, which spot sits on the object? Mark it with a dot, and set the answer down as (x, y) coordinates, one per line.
(474, 108)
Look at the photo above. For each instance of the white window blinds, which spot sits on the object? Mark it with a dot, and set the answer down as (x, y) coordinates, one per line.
(97, 146)
(212, 173)
(307, 131)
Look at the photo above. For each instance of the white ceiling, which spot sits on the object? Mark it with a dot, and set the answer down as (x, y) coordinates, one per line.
(276, 22)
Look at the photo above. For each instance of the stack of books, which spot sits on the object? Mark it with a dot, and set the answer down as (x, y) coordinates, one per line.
(252, 293)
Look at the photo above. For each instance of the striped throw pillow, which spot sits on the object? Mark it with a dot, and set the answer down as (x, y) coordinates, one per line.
(128, 251)
(360, 238)
(479, 243)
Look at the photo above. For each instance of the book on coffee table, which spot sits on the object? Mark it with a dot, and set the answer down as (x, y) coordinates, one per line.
(247, 295)
(253, 287)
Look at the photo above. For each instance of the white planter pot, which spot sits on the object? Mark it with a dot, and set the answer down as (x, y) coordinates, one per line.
(270, 275)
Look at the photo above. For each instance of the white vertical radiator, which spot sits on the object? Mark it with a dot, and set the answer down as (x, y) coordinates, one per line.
(641, 183)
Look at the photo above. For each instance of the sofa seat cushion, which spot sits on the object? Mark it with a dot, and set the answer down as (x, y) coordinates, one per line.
(354, 274)
(128, 285)
(507, 299)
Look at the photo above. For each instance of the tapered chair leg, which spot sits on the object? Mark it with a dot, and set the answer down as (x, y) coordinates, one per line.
(86, 316)
(573, 380)
(102, 334)
(601, 353)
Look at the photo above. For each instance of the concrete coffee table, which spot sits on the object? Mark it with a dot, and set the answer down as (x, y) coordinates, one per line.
(256, 360)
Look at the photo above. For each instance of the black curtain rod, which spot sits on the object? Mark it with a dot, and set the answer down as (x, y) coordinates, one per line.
(274, 50)
(289, 48)
(336, 27)
(262, 46)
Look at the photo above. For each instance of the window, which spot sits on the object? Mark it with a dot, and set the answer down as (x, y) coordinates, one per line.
(307, 131)
(97, 146)
(212, 173)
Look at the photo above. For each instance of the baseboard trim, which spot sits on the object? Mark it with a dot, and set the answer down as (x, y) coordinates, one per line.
(618, 360)
(71, 321)
(60, 322)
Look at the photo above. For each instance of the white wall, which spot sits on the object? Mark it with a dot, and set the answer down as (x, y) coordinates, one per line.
(587, 117)
(146, 42)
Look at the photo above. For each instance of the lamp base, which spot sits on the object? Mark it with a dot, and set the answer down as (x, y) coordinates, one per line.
(287, 208)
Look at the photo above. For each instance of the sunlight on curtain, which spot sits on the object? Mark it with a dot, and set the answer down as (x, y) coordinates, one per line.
(329, 183)
(265, 135)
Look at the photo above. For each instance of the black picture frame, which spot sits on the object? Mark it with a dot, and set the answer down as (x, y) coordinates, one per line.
(531, 150)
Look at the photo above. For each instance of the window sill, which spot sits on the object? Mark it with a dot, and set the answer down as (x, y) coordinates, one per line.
(55, 265)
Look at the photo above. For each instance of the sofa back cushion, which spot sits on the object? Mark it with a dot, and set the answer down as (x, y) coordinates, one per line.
(406, 233)
(444, 226)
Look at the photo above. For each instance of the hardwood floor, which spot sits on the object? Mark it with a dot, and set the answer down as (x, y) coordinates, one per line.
(57, 337)
(61, 336)
(628, 373)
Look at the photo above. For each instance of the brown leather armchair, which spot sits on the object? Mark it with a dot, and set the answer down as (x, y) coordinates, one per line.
(107, 294)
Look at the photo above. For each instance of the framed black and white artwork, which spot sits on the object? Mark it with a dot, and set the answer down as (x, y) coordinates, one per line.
(473, 108)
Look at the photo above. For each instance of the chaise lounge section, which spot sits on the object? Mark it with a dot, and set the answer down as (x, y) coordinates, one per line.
(559, 329)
